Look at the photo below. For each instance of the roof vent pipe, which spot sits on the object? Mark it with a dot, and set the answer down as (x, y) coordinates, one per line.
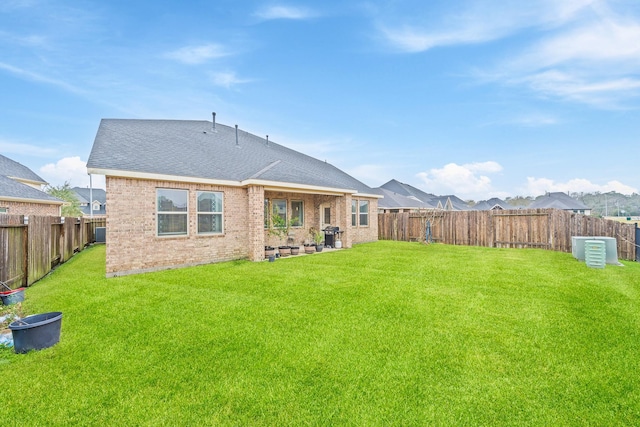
(213, 128)
(267, 140)
(237, 135)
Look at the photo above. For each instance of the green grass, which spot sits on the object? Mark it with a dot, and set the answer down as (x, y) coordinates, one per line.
(386, 333)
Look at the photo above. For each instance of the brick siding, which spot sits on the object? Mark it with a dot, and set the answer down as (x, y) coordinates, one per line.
(38, 209)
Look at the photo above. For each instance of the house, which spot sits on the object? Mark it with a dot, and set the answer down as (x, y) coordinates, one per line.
(393, 202)
(408, 190)
(93, 201)
(447, 203)
(189, 192)
(21, 191)
(560, 201)
(492, 205)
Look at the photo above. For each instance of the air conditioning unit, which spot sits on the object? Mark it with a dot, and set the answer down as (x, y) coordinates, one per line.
(595, 253)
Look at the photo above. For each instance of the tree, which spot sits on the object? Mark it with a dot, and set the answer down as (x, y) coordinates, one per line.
(64, 192)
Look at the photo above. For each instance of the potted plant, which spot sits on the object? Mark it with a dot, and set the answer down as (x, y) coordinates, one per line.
(269, 251)
(295, 250)
(309, 248)
(318, 238)
(280, 227)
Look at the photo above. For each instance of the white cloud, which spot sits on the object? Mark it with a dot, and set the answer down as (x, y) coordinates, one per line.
(72, 170)
(284, 12)
(480, 22)
(193, 55)
(538, 186)
(25, 149)
(466, 181)
(40, 78)
(228, 79)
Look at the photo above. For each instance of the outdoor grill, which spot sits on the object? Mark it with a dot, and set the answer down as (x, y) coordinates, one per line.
(331, 234)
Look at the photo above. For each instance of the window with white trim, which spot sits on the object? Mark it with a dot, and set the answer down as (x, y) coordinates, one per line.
(354, 213)
(210, 212)
(297, 213)
(172, 208)
(279, 208)
(364, 213)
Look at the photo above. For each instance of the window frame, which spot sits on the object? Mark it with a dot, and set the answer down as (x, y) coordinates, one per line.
(354, 212)
(300, 222)
(184, 213)
(361, 204)
(275, 205)
(219, 213)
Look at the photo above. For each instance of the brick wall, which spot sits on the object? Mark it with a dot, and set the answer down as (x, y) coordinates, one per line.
(132, 242)
(133, 245)
(39, 209)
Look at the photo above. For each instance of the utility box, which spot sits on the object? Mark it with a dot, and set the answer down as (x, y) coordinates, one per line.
(101, 234)
(595, 253)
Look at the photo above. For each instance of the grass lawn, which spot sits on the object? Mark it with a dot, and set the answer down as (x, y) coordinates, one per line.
(387, 333)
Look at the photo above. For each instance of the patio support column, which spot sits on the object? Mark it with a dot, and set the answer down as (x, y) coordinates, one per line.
(346, 220)
(255, 225)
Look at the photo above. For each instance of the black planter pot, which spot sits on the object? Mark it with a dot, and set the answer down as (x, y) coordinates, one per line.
(319, 247)
(36, 332)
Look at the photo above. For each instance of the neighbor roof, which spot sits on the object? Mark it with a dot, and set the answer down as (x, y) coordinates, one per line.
(394, 200)
(14, 190)
(408, 190)
(15, 170)
(193, 149)
(558, 200)
(85, 194)
(487, 205)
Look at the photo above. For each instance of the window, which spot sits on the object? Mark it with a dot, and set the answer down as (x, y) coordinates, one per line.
(266, 213)
(172, 212)
(297, 213)
(279, 209)
(96, 205)
(364, 213)
(4, 210)
(354, 213)
(210, 209)
(326, 215)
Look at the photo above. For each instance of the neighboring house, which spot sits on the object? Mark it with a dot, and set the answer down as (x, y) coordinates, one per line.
(397, 203)
(447, 203)
(450, 203)
(184, 192)
(408, 191)
(561, 201)
(21, 191)
(93, 201)
(492, 205)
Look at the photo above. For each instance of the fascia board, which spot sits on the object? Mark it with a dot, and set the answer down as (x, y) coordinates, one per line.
(23, 200)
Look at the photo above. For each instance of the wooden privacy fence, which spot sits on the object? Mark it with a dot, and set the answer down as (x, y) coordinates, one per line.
(30, 248)
(528, 228)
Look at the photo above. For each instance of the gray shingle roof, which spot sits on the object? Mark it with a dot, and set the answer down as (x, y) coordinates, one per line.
(394, 200)
(189, 148)
(84, 194)
(558, 200)
(14, 169)
(408, 190)
(485, 205)
(17, 190)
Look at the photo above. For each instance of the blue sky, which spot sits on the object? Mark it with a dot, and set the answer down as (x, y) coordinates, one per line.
(477, 98)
